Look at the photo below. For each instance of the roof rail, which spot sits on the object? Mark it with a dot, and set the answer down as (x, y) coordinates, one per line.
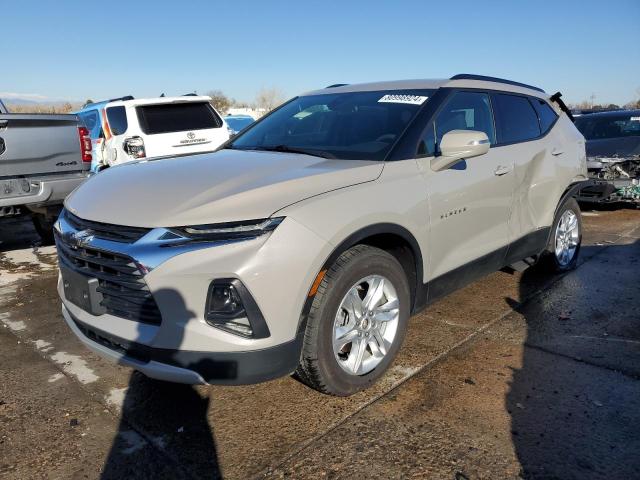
(337, 85)
(470, 76)
(126, 97)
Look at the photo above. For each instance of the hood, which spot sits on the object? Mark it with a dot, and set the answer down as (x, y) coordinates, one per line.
(613, 147)
(224, 186)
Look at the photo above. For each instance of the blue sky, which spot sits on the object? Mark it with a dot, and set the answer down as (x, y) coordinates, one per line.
(79, 50)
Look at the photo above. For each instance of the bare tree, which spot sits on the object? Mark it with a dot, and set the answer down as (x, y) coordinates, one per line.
(66, 107)
(269, 98)
(220, 101)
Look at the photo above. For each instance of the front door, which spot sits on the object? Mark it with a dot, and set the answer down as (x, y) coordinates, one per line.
(470, 203)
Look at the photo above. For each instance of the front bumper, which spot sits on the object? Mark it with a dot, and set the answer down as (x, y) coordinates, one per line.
(276, 270)
(180, 366)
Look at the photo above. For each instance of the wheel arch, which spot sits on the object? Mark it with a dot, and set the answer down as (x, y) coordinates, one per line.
(392, 238)
(572, 190)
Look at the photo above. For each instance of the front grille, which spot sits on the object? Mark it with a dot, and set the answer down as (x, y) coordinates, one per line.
(106, 231)
(121, 282)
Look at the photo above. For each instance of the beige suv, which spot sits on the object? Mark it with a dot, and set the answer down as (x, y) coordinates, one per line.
(306, 243)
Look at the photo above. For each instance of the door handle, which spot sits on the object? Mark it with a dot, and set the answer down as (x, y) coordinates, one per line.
(4, 123)
(501, 170)
(2, 146)
(556, 151)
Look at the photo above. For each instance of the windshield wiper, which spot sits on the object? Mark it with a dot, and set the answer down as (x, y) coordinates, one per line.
(288, 149)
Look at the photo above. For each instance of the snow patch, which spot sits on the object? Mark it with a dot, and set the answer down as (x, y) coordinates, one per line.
(43, 345)
(29, 257)
(8, 278)
(76, 366)
(15, 325)
(116, 397)
(404, 371)
(55, 377)
(134, 441)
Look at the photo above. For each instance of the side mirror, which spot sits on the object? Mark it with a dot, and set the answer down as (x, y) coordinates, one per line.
(458, 144)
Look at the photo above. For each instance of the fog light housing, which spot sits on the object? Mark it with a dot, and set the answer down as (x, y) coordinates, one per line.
(231, 307)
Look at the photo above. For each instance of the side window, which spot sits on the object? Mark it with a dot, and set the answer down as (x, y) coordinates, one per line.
(545, 113)
(463, 111)
(117, 118)
(516, 119)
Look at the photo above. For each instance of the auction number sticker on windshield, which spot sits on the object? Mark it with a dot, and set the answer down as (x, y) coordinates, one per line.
(410, 99)
(635, 119)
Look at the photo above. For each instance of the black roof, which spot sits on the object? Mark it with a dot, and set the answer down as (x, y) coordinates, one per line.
(471, 76)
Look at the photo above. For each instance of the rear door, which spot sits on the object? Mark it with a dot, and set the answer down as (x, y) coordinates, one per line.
(180, 127)
(33, 144)
(526, 134)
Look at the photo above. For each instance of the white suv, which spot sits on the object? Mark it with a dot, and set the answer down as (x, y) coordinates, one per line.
(126, 129)
(309, 240)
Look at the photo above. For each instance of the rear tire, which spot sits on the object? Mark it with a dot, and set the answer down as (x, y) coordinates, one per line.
(565, 239)
(357, 322)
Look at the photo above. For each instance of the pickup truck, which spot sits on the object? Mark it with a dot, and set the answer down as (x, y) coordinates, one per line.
(43, 158)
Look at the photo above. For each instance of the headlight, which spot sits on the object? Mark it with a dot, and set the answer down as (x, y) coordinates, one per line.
(230, 230)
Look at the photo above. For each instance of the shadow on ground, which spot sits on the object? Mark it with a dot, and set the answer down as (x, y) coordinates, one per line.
(575, 403)
(174, 418)
(17, 233)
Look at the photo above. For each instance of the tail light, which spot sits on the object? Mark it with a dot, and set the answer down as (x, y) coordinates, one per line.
(134, 146)
(85, 144)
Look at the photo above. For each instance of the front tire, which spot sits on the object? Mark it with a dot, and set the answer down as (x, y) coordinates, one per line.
(565, 240)
(357, 322)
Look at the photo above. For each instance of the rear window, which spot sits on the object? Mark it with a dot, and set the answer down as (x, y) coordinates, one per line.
(595, 127)
(515, 118)
(545, 113)
(117, 118)
(177, 117)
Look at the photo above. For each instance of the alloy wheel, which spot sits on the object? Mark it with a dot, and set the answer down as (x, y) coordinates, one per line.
(365, 325)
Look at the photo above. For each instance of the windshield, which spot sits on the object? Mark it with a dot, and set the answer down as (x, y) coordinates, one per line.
(353, 125)
(609, 126)
(238, 123)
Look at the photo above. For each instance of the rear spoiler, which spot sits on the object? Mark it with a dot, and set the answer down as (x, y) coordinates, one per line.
(555, 98)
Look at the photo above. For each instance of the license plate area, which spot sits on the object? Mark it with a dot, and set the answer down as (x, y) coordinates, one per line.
(82, 291)
(16, 187)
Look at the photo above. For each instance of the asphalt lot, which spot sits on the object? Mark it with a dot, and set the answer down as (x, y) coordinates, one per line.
(517, 375)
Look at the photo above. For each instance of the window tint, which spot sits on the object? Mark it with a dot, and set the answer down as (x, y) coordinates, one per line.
(117, 118)
(463, 111)
(545, 113)
(177, 117)
(515, 118)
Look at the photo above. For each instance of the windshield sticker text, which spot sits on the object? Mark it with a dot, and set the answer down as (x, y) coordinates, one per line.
(410, 99)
